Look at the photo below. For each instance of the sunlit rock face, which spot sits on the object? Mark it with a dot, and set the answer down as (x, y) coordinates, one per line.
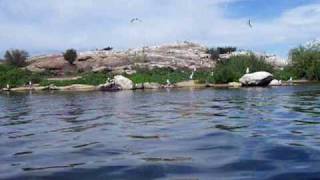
(260, 78)
(178, 55)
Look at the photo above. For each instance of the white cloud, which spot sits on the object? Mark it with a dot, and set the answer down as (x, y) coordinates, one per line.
(50, 24)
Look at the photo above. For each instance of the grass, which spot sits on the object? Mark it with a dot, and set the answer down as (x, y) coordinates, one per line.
(160, 75)
(16, 77)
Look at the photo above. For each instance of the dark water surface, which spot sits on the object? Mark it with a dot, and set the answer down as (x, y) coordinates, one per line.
(256, 133)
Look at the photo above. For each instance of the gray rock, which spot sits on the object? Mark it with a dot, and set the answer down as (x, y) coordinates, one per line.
(261, 78)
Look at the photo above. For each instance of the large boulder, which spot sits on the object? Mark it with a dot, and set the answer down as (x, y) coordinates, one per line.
(261, 78)
(123, 82)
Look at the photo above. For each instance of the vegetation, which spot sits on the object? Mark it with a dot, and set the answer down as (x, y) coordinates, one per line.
(160, 75)
(306, 63)
(232, 69)
(16, 57)
(16, 77)
(70, 55)
(215, 52)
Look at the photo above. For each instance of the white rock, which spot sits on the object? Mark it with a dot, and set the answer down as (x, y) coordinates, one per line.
(261, 78)
(123, 82)
(234, 84)
(275, 83)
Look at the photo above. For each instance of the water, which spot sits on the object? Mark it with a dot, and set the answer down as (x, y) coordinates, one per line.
(254, 133)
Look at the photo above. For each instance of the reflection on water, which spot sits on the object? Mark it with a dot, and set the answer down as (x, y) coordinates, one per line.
(251, 133)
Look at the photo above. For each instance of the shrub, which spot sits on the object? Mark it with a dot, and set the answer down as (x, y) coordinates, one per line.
(306, 62)
(70, 55)
(16, 57)
(215, 52)
(235, 67)
(160, 75)
(16, 77)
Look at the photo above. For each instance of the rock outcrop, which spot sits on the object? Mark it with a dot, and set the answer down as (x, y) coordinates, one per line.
(261, 78)
(123, 82)
(179, 55)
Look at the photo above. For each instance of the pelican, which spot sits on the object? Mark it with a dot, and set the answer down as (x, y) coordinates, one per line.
(247, 71)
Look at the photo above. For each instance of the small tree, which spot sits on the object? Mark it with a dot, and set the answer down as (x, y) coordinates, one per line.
(70, 55)
(16, 57)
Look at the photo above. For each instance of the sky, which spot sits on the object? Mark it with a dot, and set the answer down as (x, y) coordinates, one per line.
(51, 26)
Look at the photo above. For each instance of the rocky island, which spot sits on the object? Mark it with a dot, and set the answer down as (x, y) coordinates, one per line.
(184, 64)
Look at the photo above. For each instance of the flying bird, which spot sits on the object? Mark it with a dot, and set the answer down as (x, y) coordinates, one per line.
(249, 23)
(135, 20)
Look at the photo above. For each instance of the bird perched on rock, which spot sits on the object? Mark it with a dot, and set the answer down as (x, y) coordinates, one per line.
(247, 71)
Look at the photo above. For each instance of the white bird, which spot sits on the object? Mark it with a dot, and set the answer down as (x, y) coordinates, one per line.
(8, 86)
(30, 83)
(194, 70)
(247, 71)
(168, 82)
(290, 79)
(191, 76)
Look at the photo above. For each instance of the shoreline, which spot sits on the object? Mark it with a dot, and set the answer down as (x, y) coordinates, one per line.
(184, 84)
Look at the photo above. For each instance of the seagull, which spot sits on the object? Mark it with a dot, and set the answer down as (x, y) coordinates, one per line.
(249, 23)
(247, 71)
(135, 20)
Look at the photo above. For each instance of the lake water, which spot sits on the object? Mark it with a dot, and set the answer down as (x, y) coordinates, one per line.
(250, 133)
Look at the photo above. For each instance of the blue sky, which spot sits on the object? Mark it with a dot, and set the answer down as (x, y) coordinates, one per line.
(49, 26)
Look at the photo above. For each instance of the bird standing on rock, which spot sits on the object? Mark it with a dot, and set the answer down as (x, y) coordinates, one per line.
(247, 71)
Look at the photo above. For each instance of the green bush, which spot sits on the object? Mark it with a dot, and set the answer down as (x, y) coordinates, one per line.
(70, 55)
(16, 77)
(215, 52)
(232, 69)
(160, 75)
(306, 62)
(16, 57)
